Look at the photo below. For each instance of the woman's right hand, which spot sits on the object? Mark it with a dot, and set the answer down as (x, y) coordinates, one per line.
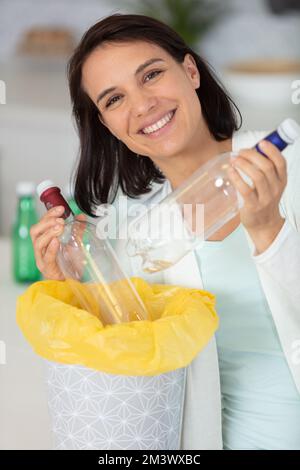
(45, 241)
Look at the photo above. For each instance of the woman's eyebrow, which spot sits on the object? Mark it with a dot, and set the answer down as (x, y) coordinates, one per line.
(138, 70)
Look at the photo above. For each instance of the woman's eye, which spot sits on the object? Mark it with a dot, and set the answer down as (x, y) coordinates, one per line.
(152, 74)
(111, 101)
(149, 75)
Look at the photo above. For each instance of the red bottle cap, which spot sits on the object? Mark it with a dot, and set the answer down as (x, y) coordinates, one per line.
(51, 196)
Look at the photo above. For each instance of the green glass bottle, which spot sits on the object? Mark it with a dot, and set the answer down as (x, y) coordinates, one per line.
(69, 195)
(23, 261)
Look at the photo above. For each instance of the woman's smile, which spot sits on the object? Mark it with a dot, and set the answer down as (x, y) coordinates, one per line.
(161, 127)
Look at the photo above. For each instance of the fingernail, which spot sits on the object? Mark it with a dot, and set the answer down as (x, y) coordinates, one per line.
(59, 220)
(59, 209)
(57, 228)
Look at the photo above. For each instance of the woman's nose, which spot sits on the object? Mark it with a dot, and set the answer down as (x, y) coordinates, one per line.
(142, 103)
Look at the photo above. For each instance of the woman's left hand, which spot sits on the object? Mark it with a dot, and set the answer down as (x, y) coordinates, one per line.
(260, 213)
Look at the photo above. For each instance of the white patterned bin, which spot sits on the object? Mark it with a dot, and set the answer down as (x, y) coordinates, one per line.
(94, 410)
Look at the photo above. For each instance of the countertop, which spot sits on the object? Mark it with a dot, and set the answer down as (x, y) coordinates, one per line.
(24, 419)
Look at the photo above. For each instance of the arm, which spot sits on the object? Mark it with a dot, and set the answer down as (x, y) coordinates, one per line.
(276, 244)
(279, 271)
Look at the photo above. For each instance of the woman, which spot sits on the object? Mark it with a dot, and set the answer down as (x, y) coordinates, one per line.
(149, 112)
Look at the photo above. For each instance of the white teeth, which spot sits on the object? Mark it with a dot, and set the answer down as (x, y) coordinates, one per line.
(159, 124)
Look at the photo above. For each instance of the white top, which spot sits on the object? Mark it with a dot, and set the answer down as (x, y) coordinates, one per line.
(260, 401)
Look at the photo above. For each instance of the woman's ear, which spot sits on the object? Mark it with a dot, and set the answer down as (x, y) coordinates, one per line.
(101, 119)
(191, 70)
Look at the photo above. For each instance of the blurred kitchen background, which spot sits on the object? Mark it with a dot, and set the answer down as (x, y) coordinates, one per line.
(254, 47)
(255, 50)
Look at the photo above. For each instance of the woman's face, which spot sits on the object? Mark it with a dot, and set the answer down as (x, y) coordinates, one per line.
(146, 99)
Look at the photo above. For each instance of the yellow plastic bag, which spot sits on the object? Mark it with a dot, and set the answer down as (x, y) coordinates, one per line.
(182, 321)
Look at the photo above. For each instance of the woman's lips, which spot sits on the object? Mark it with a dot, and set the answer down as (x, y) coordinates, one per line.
(162, 130)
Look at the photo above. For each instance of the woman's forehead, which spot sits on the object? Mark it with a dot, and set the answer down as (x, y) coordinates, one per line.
(134, 46)
(126, 54)
(112, 61)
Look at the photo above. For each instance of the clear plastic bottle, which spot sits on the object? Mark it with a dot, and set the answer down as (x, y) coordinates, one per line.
(91, 267)
(192, 213)
(24, 266)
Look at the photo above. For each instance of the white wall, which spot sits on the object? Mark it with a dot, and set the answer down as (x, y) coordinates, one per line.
(18, 15)
(249, 31)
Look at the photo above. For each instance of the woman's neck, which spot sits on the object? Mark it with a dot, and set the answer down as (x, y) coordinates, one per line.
(178, 168)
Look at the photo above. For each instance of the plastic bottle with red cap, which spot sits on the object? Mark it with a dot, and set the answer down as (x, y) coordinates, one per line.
(91, 268)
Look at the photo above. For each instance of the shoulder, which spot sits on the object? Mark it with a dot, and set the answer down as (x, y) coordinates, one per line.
(124, 208)
(247, 139)
(157, 192)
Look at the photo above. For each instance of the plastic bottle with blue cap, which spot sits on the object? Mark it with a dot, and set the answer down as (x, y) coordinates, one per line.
(197, 209)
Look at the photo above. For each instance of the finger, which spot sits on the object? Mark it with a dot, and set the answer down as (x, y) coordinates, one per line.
(276, 158)
(264, 164)
(46, 221)
(257, 176)
(44, 226)
(54, 211)
(248, 193)
(49, 258)
(43, 241)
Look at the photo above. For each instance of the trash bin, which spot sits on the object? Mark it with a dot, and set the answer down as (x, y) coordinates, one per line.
(117, 386)
(93, 410)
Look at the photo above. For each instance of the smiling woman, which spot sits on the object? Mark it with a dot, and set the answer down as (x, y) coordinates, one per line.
(149, 112)
(145, 104)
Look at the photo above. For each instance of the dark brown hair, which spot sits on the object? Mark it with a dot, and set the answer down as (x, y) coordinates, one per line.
(105, 163)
